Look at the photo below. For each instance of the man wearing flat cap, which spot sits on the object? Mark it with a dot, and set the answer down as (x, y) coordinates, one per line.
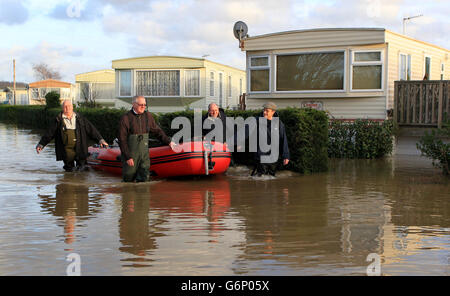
(264, 167)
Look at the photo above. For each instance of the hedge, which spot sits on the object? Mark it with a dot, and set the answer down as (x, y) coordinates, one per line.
(360, 139)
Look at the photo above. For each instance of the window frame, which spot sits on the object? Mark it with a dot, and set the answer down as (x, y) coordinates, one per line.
(344, 82)
(381, 63)
(157, 70)
(229, 86)
(199, 83)
(241, 80)
(425, 65)
(212, 90)
(249, 71)
(131, 83)
(33, 92)
(221, 84)
(408, 66)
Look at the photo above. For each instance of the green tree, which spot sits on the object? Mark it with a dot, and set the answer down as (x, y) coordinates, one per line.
(52, 100)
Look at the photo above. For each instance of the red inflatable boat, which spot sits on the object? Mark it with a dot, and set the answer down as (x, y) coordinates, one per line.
(191, 158)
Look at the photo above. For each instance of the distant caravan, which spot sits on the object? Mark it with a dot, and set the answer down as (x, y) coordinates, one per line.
(193, 158)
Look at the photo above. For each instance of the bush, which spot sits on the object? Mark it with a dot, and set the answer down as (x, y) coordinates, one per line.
(105, 120)
(307, 133)
(433, 146)
(360, 139)
(52, 100)
(37, 117)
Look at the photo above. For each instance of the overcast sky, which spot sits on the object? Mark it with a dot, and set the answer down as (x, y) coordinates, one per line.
(76, 36)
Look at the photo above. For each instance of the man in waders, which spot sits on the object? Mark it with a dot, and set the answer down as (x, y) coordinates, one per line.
(270, 168)
(70, 131)
(134, 128)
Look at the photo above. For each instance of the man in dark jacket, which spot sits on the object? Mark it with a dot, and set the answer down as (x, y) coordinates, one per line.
(262, 165)
(211, 119)
(70, 131)
(134, 129)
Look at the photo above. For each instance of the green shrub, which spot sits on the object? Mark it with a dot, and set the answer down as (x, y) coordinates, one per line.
(360, 139)
(307, 133)
(165, 119)
(31, 116)
(105, 120)
(52, 100)
(433, 146)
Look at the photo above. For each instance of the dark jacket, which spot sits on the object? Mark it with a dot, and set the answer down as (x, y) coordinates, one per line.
(137, 124)
(84, 129)
(221, 117)
(283, 144)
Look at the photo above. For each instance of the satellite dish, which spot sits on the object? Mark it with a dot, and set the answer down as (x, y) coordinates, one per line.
(240, 30)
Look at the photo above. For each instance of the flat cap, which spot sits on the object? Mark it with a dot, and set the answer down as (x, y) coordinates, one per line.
(270, 105)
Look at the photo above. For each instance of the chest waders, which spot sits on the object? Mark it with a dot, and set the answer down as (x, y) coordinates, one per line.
(69, 141)
(138, 145)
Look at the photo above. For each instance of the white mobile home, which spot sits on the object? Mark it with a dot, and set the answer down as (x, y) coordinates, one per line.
(39, 89)
(97, 86)
(173, 83)
(348, 72)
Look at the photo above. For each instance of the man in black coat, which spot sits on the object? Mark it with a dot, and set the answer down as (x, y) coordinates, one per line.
(70, 131)
(262, 165)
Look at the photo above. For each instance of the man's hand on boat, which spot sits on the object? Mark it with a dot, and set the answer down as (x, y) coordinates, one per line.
(172, 145)
(103, 144)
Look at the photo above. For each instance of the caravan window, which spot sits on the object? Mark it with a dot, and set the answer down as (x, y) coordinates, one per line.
(192, 82)
(367, 70)
(310, 71)
(159, 83)
(35, 93)
(211, 84)
(404, 66)
(125, 83)
(427, 67)
(259, 72)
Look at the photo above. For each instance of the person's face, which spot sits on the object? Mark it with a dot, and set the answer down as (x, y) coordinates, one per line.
(268, 113)
(213, 111)
(68, 109)
(139, 105)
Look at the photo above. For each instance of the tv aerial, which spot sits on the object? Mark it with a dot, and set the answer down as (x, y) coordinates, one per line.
(240, 30)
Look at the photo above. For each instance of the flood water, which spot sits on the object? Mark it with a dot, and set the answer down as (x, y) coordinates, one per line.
(397, 208)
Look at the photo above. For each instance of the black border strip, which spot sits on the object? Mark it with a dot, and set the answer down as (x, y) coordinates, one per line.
(184, 158)
(152, 162)
(175, 157)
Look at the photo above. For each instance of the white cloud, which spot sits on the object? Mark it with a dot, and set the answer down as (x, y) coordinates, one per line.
(13, 12)
(67, 60)
(192, 28)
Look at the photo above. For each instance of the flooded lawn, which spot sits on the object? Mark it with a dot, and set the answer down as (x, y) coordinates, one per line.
(396, 209)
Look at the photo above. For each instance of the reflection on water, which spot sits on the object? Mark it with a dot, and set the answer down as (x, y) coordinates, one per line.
(322, 224)
(71, 205)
